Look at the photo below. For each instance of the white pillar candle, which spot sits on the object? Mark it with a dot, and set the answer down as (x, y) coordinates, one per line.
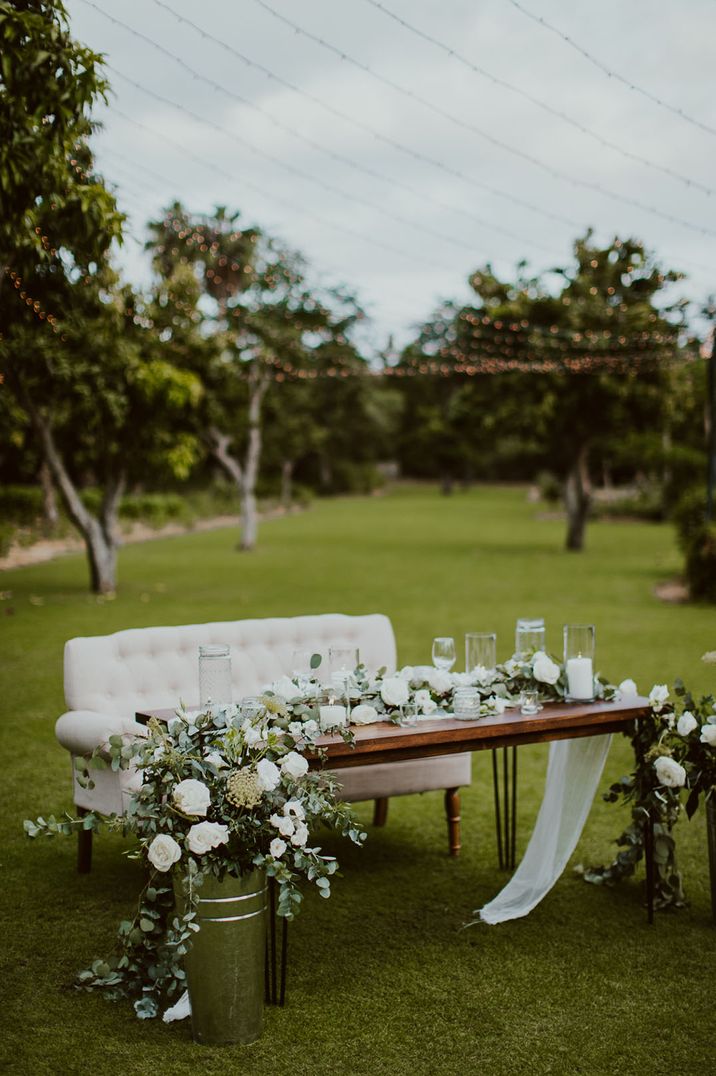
(332, 717)
(580, 678)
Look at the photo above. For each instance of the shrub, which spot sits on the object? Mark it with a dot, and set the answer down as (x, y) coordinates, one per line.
(7, 533)
(21, 505)
(549, 486)
(697, 540)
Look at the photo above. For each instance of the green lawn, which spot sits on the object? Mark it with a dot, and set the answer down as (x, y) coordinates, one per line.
(382, 980)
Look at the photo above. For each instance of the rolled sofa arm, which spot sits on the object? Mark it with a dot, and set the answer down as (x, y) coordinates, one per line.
(81, 731)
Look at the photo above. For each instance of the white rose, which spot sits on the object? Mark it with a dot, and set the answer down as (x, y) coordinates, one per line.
(277, 847)
(686, 723)
(364, 715)
(283, 823)
(440, 681)
(285, 687)
(425, 703)
(498, 704)
(296, 729)
(421, 674)
(163, 852)
(628, 689)
(544, 669)
(294, 765)
(251, 734)
(191, 796)
(206, 835)
(511, 666)
(658, 696)
(669, 772)
(300, 835)
(406, 673)
(294, 809)
(268, 774)
(394, 691)
(215, 759)
(310, 728)
(708, 735)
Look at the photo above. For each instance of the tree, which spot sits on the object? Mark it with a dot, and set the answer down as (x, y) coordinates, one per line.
(266, 326)
(567, 369)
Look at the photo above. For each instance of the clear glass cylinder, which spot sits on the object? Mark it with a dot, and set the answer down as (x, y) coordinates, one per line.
(466, 703)
(530, 635)
(480, 650)
(215, 675)
(579, 642)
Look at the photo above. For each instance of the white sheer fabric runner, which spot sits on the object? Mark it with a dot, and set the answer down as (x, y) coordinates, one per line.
(573, 773)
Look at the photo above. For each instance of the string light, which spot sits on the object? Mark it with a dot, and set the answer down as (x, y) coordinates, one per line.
(610, 73)
(504, 84)
(466, 125)
(33, 305)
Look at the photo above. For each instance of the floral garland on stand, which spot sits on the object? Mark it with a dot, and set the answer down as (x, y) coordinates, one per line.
(675, 751)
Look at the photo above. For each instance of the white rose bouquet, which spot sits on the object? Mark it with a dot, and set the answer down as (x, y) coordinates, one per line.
(216, 794)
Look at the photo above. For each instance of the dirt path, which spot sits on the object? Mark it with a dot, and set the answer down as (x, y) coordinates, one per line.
(48, 548)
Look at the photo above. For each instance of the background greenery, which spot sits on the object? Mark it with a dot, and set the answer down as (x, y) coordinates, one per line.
(382, 980)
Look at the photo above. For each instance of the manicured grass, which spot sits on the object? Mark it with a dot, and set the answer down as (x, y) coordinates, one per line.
(382, 979)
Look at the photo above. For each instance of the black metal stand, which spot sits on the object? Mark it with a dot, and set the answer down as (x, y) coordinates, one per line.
(505, 811)
(649, 860)
(275, 991)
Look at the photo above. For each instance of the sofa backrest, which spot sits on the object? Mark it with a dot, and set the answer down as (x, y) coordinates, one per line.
(157, 667)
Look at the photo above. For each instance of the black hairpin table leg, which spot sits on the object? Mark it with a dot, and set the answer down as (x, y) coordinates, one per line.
(506, 806)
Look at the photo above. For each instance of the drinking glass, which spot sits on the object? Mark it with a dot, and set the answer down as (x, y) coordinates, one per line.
(579, 640)
(530, 635)
(444, 655)
(480, 650)
(301, 667)
(344, 659)
(215, 685)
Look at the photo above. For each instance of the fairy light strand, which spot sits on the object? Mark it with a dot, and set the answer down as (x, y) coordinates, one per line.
(539, 103)
(466, 125)
(609, 72)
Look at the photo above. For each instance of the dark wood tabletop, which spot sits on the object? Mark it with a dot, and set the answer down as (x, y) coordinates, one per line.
(385, 742)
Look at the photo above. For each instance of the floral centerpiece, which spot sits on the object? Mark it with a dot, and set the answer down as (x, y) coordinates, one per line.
(216, 794)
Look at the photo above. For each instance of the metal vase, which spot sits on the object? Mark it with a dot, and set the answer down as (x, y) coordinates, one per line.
(711, 839)
(226, 963)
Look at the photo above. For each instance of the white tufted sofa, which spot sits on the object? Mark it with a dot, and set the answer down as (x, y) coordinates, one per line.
(108, 678)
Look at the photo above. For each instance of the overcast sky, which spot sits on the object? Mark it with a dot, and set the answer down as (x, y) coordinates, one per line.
(403, 227)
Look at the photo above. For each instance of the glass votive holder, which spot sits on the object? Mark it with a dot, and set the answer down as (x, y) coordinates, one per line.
(480, 650)
(251, 707)
(466, 703)
(409, 714)
(529, 702)
(530, 635)
(215, 687)
(579, 642)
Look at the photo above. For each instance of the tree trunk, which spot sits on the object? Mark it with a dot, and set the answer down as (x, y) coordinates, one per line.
(286, 483)
(577, 498)
(100, 535)
(258, 383)
(446, 484)
(245, 476)
(49, 497)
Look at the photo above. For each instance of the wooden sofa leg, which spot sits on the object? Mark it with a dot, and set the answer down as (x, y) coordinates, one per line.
(452, 810)
(84, 847)
(380, 811)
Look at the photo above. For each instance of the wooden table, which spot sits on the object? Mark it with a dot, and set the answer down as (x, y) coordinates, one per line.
(386, 742)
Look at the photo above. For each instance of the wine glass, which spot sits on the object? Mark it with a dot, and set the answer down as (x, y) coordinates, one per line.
(444, 654)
